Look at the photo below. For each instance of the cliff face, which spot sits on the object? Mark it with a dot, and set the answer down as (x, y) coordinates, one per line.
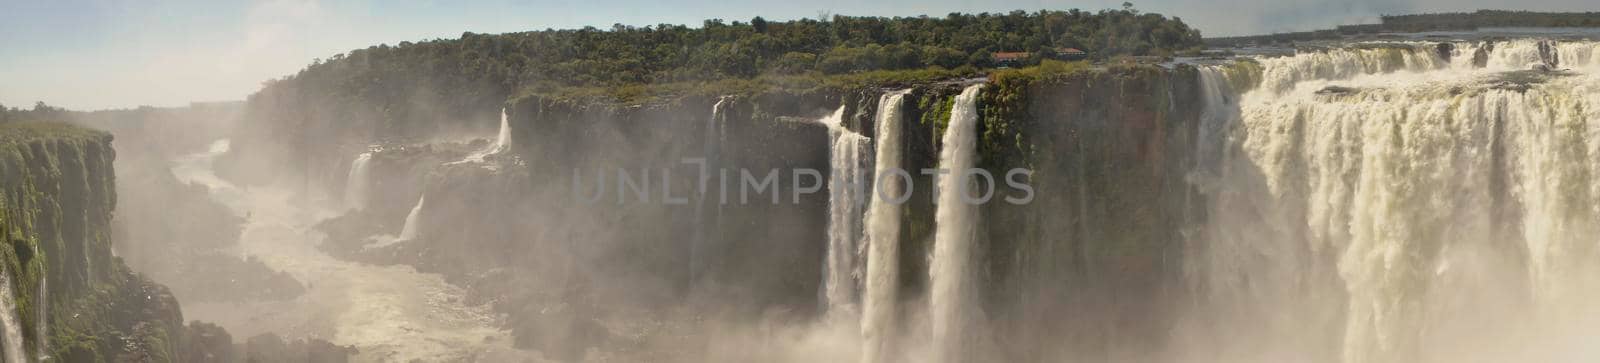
(1095, 254)
(56, 200)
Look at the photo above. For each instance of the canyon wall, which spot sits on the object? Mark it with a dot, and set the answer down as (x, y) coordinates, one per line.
(1094, 255)
(59, 194)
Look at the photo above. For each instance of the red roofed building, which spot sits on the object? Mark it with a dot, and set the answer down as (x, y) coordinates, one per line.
(1010, 59)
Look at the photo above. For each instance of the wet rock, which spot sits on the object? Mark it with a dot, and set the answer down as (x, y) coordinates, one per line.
(1480, 57)
(1549, 54)
(1337, 90)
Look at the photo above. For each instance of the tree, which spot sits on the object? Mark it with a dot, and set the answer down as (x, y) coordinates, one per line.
(759, 24)
(795, 63)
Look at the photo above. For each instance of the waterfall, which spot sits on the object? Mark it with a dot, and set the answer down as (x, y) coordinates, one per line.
(1426, 212)
(702, 232)
(955, 222)
(42, 324)
(847, 198)
(409, 231)
(356, 184)
(502, 142)
(12, 328)
(1418, 60)
(883, 235)
(1220, 112)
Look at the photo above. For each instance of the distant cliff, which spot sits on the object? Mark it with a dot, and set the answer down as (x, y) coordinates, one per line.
(57, 194)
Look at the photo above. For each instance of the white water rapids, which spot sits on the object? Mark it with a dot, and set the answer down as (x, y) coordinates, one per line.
(389, 313)
(1391, 205)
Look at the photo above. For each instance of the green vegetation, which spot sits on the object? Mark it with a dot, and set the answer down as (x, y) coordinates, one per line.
(413, 90)
(1243, 74)
(40, 112)
(56, 199)
(799, 84)
(14, 133)
(625, 57)
(1423, 22)
(1489, 18)
(1005, 107)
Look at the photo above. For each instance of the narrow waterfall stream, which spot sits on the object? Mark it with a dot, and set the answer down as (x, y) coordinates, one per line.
(883, 235)
(358, 182)
(41, 327)
(10, 325)
(704, 234)
(956, 223)
(846, 204)
(502, 142)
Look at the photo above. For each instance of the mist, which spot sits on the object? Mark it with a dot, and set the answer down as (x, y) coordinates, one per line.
(391, 184)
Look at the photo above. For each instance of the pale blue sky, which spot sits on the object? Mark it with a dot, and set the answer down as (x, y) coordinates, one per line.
(92, 54)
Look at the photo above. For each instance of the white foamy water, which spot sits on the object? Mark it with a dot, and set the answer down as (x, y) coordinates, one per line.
(389, 313)
(847, 199)
(956, 229)
(1434, 210)
(502, 142)
(883, 235)
(707, 222)
(357, 183)
(10, 325)
(408, 231)
(42, 327)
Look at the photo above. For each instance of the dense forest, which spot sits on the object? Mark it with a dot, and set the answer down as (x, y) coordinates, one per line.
(627, 55)
(39, 112)
(458, 86)
(1488, 18)
(1420, 23)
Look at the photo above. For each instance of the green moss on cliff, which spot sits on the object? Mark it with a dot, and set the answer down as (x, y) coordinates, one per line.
(1004, 110)
(56, 200)
(1243, 74)
(1108, 149)
(935, 109)
(792, 84)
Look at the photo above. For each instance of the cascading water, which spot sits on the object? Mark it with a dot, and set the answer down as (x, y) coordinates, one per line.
(10, 325)
(502, 142)
(42, 326)
(703, 231)
(1447, 207)
(357, 182)
(883, 234)
(846, 200)
(409, 231)
(956, 222)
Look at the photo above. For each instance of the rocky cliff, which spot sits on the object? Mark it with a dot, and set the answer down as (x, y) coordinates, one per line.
(1095, 255)
(58, 197)
(73, 300)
